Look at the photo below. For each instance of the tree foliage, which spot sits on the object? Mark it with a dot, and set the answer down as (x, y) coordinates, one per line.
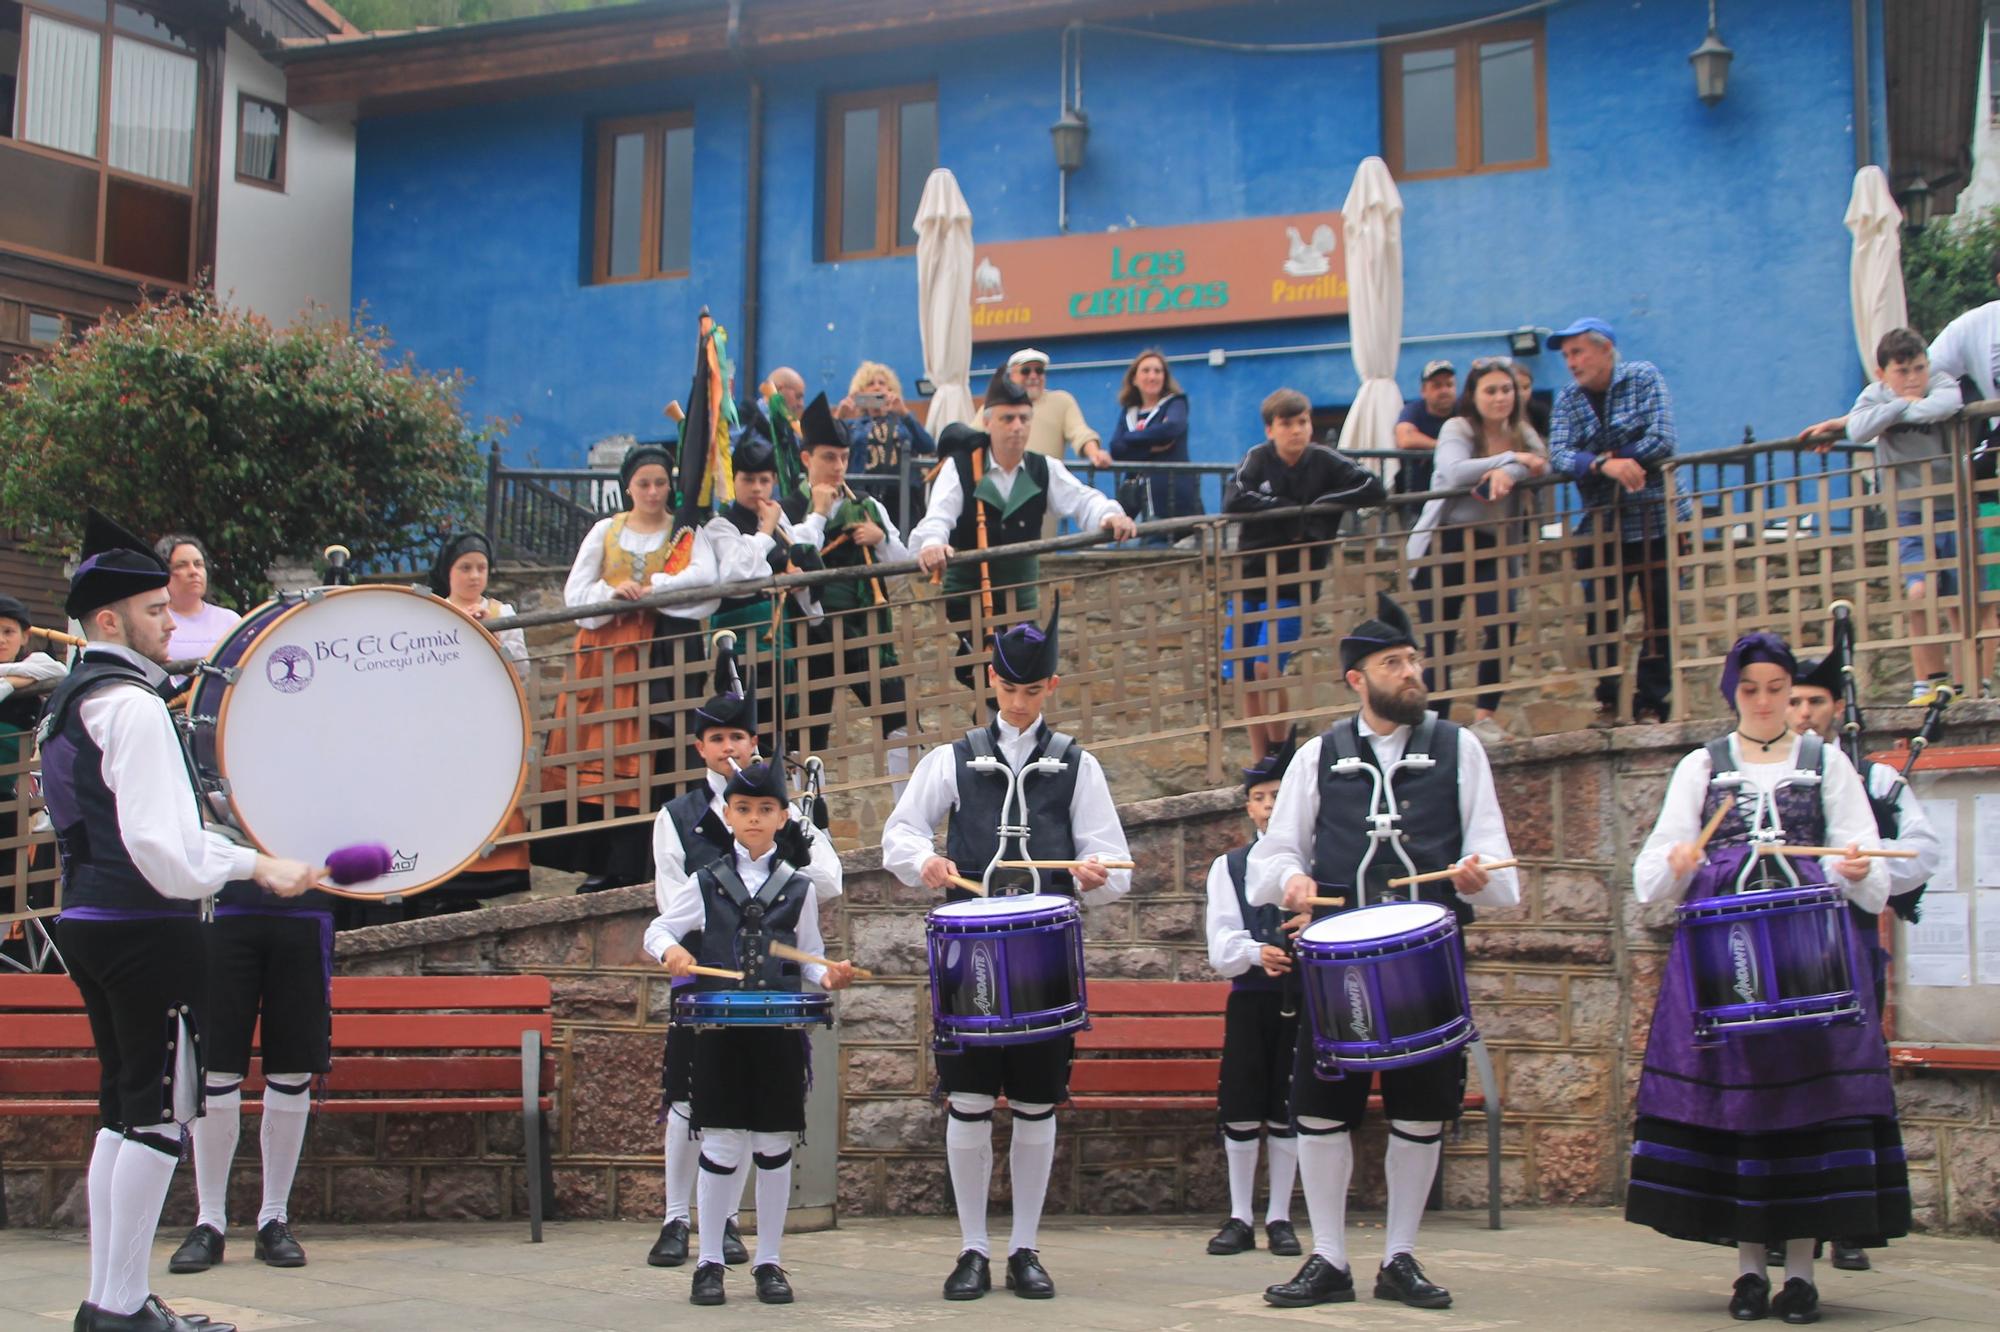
(400, 15)
(268, 444)
(1948, 268)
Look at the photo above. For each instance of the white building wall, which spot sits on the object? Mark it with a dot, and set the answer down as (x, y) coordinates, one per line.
(276, 253)
(1983, 191)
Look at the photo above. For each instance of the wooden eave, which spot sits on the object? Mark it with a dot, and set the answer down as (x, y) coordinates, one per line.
(637, 43)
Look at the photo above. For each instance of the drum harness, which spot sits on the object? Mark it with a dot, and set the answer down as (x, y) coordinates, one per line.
(1382, 809)
(1757, 871)
(1013, 826)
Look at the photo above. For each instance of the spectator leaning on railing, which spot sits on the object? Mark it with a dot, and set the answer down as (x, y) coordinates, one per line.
(1153, 427)
(1286, 471)
(1488, 445)
(1969, 350)
(882, 432)
(1417, 428)
(1902, 413)
(1612, 432)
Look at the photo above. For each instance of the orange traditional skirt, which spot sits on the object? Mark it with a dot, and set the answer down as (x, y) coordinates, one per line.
(618, 652)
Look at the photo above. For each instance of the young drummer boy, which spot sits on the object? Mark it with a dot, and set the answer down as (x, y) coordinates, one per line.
(1063, 815)
(1260, 1028)
(749, 1083)
(692, 832)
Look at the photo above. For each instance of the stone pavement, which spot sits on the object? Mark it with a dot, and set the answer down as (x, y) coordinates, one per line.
(1555, 1269)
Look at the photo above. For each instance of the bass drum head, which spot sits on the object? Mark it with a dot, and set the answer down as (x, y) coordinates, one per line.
(374, 714)
(1389, 921)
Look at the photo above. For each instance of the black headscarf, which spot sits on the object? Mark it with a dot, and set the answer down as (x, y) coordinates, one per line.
(636, 457)
(455, 545)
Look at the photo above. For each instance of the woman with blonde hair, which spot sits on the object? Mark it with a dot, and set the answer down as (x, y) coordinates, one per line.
(881, 433)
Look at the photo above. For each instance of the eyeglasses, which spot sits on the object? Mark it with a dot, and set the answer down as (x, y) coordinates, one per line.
(1487, 362)
(1406, 665)
(1038, 371)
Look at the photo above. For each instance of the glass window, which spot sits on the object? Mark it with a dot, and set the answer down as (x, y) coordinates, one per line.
(881, 147)
(1507, 101)
(152, 111)
(44, 329)
(1430, 110)
(59, 106)
(260, 141)
(137, 21)
(1467, 103)
(645, 189)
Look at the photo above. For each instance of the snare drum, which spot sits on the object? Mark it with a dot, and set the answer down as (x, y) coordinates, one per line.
(1765, 961)
(1005, 970)
(1385, 986)
(751, 1008)
(362, 714)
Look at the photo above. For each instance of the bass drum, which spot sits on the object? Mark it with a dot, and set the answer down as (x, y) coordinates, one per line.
(362, 714)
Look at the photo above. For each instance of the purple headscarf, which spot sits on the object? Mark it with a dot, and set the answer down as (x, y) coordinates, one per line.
(1749, 650)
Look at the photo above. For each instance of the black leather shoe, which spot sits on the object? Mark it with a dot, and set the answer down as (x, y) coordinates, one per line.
(277, 1248)
(671, 1248)
(1798, 1302)
(192, 1320)
(1281, 1239)
(597, 883)
(1234, 1237)
(1774, 1255)
(1027, 1277)
(1752, 1299)
(772, 1288)
(1850, 1257)
(152, 1316)
(972, 1277)
(201, 1250)
(1402, 1278)
(707, 1288)
(83, 1312)
(733, 1251)
(1318, 1282)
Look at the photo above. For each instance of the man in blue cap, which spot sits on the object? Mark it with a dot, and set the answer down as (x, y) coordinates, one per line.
(1612, 431)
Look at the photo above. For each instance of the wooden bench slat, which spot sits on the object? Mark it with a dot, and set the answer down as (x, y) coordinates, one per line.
(351, 1073)
(343, 1106)
(1154, 1033)
(21, 1077)
(1125, 996)
(1143, 1102)
(1145, 1075)
(38, 992)
(436, 1031)
(48, 1031)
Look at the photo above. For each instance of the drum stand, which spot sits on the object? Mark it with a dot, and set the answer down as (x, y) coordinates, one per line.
(1013, 825)
(1382, 814)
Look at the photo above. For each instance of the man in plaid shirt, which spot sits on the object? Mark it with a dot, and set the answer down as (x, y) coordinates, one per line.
(1611, 432)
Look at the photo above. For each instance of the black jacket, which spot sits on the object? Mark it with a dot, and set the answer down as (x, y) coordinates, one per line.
(1264, 484)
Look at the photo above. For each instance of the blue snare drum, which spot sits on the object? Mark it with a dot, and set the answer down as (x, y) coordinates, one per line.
(1765, 961)
(1385, 986)
(1005, 970)
(751, 1008)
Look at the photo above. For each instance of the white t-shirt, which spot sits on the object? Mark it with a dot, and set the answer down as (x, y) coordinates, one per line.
(195, 636)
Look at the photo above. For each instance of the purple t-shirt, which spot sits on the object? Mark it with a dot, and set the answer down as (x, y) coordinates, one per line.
(195, 636)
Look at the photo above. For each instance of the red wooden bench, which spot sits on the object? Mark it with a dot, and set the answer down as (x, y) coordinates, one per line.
(1157, 1045)
(401, 1045)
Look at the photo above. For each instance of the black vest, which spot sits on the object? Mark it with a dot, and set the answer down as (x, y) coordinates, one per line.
(704, 839)
(1026, 522)
(1265, 923)
(972, 838)
(97, 872)
(1427, 800)
(1888, 823)
(745, 521)
(727, 906)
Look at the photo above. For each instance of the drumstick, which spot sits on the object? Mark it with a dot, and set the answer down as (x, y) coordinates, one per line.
(1061, 864)
(720, 973)
(1714, 822)
(1435, 875)
(58, 636)
(791, 954)
(1882, 853)
(1326, 901)
(970, 885)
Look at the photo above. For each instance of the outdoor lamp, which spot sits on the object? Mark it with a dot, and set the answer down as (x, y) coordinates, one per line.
(1711, 64)
(1070, 133)
(1916, 202)
(1525, 341)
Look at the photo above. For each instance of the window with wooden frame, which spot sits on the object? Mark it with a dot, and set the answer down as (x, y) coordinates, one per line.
(1466, 104)
(260, 142)
(644, 217)
(881, 146)
(102, 162)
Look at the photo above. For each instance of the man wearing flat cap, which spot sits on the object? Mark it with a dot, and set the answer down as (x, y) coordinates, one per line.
(1396, 765)
(991, 493)
(136, 865)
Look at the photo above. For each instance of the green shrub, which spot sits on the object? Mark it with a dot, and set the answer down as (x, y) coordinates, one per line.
(1947, 269)
(268, 444)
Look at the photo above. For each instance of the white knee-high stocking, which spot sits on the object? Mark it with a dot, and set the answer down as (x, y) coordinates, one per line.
(968, 1150)
(287, 1112)
(1029, 1160)
(1326, 1166)
(1409, 1166)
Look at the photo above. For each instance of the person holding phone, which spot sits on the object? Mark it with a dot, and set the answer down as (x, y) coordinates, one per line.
(1486, 444)
(881, 431)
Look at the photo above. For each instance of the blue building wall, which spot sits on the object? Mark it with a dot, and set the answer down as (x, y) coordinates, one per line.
(1710, 236)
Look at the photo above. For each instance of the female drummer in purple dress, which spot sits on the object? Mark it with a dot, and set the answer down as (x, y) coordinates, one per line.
(1782, 1138)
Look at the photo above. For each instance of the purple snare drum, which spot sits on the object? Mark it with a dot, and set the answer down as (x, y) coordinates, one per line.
(1764, 961)
(1005, 970)
(1385, 986)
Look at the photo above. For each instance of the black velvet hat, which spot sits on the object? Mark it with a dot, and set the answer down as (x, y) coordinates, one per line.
(1822, 674)
(1027, 652)
(1389, 627)
(1001, 391)
(759, 779)
(817, 426)
(12, 609)
(1272, 766)
(753, 454)
(116, 565)
(732, 705)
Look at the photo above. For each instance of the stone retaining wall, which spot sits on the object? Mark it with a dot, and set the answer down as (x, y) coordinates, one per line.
(1563, 987)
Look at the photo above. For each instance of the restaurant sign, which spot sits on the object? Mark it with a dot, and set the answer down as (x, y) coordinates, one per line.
(1287, 267)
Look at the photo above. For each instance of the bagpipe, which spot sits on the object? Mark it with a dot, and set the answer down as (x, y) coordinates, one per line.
(1887, 818)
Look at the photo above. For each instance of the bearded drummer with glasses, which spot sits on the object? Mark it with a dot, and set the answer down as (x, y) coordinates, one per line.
(1057, 807)
(1395, 791)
